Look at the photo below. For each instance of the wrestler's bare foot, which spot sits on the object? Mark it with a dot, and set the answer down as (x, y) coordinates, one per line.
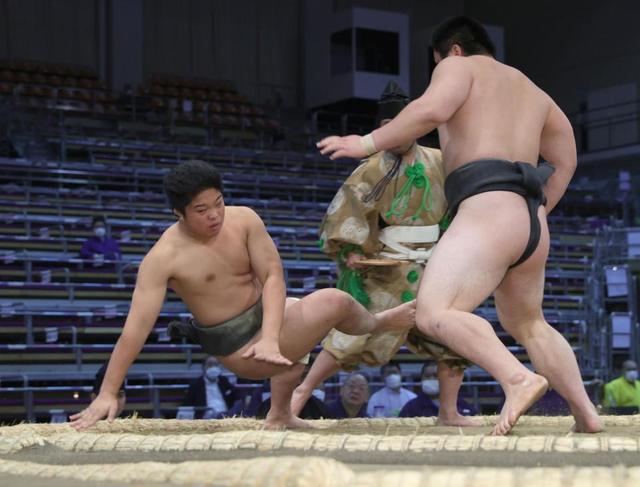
(274, 422)
(521, 393)
(455, 419)
(588, 421)
(299, 398)
(398, 318)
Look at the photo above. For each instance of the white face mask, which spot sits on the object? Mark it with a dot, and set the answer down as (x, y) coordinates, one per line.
(213, 373)
(100, 232)
(319, 393)
(431, 387)
(393, 381)
(631, 375)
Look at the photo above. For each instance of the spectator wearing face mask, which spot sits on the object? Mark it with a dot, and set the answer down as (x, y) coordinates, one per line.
(100, 245)
(427, 403)
(211, 394)
(389, 401)
(623, 392)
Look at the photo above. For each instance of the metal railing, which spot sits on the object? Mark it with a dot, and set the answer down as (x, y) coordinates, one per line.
(606, 119)
(616, 251)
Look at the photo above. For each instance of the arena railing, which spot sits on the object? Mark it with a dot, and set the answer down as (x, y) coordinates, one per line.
(608, 118)
(619, 258)
(242, 185)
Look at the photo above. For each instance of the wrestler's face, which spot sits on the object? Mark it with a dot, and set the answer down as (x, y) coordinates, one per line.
(430, 372)
(211, 361)
(205, 214)
(400, 149)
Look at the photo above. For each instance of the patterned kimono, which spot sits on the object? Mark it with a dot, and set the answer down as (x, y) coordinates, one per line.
(413, 197)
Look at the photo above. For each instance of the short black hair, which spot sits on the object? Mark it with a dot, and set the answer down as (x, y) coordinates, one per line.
(384, 367)
(97, 381)
(469, 34)
(185, 181)
(98, 219)
(206, 359)
(424, 367)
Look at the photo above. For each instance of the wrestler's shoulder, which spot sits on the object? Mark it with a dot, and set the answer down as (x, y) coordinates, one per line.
(456, 63)
(166, 246)
(521, 77)
(243, 216)
(244, 212)
(159, 259)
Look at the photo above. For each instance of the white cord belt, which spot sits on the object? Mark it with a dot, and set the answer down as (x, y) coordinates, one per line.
(394, 236)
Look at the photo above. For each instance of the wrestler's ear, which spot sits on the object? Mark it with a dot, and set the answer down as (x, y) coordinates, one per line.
(178, 215)
(456, 50)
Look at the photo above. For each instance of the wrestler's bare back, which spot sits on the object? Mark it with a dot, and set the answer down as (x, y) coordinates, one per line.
(214, 279)
(498, 113)
(486, 110)
(502, 116)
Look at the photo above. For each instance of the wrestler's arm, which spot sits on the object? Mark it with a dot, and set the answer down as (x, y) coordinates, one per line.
(267, 266)
(146, 303)
(448, 90)
(558, 147)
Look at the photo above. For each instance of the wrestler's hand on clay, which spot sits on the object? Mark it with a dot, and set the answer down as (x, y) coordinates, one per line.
(353, 259)
(336, 147)
(267, 350)
(104, 405)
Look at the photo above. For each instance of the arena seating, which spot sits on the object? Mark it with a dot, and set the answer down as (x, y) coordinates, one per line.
(167, 106)
(61, 315)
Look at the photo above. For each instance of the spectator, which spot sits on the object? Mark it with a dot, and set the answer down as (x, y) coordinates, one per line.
(623, 392)
(427, 403)
(212, 394)
(97, 384)
(352, 402)
(389, 400)
(100, 245)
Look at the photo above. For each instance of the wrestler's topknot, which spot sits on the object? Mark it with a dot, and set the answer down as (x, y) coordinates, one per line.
(185, 181)
(469, 34)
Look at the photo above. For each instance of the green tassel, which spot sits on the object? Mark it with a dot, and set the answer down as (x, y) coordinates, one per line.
(445, 222)
(417, 178)
(350, 281)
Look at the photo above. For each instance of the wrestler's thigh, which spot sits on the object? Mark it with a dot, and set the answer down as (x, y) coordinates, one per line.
(519, 296)
(307, 321)
(467, 264)
(250, 368)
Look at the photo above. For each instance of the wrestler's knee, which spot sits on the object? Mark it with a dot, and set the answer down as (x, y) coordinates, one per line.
(335, 300)
(430, 322)
(291, 374)
(525, 330)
